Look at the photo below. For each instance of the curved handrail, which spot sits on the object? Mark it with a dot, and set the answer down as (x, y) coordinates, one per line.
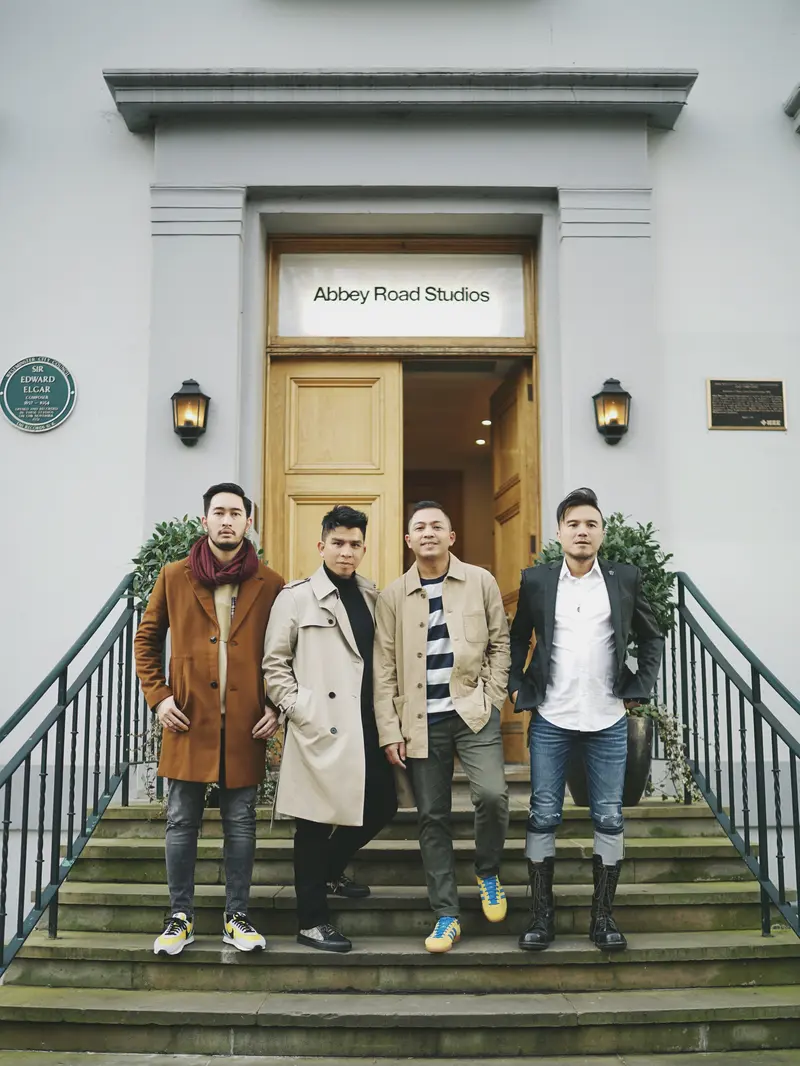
(8, 727)
(766, 674)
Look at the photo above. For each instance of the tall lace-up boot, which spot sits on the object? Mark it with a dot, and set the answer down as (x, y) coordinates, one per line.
(603, 930)
(541, 931)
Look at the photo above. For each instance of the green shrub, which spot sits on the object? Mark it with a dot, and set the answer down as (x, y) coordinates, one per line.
(170, 542)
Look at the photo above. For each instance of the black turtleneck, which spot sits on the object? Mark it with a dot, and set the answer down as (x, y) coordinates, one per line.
(363, 630)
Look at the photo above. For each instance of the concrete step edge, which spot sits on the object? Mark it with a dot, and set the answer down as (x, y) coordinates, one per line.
(568, 847)
(399, 950)
(20, 1003)
(643, 811)
(382, 898)
(82, 1058)
(386, 896)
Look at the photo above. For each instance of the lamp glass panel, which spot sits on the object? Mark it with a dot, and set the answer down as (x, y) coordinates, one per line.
(190, 411)
(611, 409)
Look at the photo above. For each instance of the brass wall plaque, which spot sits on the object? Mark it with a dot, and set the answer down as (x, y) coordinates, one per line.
(742, 403)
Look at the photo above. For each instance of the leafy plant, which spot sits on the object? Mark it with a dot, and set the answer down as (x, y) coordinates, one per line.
(679, 773)
(170, 542)
(626, 542)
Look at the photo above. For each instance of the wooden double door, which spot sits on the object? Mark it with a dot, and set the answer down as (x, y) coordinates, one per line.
(335, 435)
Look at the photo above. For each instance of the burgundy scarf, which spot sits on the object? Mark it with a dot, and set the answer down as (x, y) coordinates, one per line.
(209, 571)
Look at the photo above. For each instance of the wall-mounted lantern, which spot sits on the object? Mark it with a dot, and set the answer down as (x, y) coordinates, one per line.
(612, 408)
(190, 412)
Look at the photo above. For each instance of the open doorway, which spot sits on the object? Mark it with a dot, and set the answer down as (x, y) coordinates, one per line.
(447, 447)
(467, 443)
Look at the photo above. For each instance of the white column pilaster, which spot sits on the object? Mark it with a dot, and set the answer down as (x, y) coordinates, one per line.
(608, 329)
(195, 332)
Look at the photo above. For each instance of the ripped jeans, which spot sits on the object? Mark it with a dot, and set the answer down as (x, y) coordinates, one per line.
(604, 755)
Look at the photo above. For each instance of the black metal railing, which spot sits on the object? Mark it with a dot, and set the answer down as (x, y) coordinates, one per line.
(743, 754)
(54, 790)
(56, 787)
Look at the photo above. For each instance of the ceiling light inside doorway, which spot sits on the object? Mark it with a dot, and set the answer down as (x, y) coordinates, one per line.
(480, 440)
(486, 422)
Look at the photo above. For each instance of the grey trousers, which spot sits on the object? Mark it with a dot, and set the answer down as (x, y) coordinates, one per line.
(184, 815)
(481, 755)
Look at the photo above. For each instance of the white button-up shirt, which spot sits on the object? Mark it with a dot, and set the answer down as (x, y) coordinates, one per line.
(583, 663)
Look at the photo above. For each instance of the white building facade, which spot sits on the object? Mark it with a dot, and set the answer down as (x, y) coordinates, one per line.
(151, 155)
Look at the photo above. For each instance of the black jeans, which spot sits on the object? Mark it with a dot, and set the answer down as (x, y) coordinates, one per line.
(321, 852)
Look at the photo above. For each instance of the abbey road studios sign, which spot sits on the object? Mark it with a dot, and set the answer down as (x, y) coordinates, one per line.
(740, 403)
(37, 395)
(344, 295)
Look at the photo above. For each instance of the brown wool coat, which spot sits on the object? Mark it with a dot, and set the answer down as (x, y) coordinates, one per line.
(180, 604)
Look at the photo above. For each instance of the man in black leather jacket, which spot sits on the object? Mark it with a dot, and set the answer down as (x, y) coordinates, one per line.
(584, 612)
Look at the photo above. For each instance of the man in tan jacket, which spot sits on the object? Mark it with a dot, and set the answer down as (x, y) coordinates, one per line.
(441, 667)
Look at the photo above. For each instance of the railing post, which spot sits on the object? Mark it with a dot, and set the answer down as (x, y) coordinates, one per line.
(58, 788)
(687, 794)
(126, 709)
(761, 800)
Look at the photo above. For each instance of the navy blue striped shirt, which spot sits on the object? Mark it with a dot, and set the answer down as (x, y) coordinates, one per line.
(440, 659)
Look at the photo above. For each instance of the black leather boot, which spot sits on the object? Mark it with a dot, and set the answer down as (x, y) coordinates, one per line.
(541, 930)
(603, 930)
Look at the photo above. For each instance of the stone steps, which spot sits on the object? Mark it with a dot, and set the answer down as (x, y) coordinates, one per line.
(399, 964)
(431, 1024)
(79, 1058)
(398, 862)
(405, 911)
(697, 981)
(648, 819)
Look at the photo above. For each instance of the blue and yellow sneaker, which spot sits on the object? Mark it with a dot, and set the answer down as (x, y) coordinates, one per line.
(239, 933)
(493, 898)
(446, 932)
(178, 932)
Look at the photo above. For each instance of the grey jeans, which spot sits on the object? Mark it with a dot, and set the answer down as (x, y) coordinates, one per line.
(481, 755)
(184, 815)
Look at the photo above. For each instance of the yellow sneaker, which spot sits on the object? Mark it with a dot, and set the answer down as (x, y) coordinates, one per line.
(178, 932)
(239, 933)
(493, 898)
(446, 932)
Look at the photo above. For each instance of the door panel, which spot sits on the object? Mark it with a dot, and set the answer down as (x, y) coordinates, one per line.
(516, 505)
(333, 436)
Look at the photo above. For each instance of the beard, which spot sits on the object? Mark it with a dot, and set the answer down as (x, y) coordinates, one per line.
(228, 545)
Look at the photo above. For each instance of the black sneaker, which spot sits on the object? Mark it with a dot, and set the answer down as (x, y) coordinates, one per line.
(325, 938)
(347, 888)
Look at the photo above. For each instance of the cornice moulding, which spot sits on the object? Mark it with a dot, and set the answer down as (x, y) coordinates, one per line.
(145, 97)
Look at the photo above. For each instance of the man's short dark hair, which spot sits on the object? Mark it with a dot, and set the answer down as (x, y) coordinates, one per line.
(428, 505)
(226, 486)
(345, 518)
(577, 498)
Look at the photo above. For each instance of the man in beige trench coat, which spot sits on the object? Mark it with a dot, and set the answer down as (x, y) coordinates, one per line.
(334, 779)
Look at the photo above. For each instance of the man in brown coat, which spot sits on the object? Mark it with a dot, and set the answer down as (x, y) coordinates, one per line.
(216, 605)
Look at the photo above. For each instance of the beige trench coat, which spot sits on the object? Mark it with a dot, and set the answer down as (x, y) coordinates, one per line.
(313, 670)
(478, 628)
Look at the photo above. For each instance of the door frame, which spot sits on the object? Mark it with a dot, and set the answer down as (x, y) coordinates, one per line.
(322, 349)
(406, 347)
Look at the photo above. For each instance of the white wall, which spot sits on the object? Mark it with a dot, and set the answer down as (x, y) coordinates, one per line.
(75, 272)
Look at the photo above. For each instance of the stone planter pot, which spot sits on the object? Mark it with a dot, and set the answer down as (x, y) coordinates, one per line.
(637, 769)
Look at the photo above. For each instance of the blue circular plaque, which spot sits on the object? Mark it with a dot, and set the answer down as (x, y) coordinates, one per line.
(37, 395)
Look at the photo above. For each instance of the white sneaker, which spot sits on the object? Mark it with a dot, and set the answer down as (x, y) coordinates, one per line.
(239, 933)
(178, 932)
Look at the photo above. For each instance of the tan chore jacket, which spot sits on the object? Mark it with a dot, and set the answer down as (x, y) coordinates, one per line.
(478, 631)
